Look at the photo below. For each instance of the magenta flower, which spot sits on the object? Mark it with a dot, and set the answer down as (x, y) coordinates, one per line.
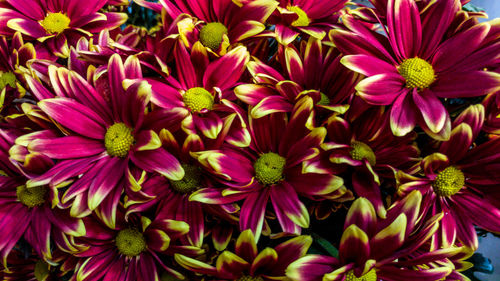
(247, 263)
(418, 63)
(377, 249)
(104, 136)
(460, 182)
(58, 23)
(272, 169)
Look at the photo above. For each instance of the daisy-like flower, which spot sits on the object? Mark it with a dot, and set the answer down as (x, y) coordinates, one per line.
(57, 23)
(224, 22)
(131, 251)
(104, 137)
(367, 144)
(374, 249)
(417, 63)
(32, 213)
(203, 92)
(247, 263)
(315, 71)
(272, 169)
(460, 182)
(314, 18)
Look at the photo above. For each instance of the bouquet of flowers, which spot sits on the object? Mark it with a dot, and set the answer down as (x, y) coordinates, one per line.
(246, 140)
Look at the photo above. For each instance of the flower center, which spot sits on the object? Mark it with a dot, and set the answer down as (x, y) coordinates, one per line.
(31, 197)
(7, 78)
(362, 151)
(449, 181)
(211, 35)
(130, 242)
(250, 278)
(303, 19)
(41, 270)
(269, 168)
(118, 140)
(417, 72)
(191, 180)
(197, 99)
(324, 100)
(369, 276)
(55, 22)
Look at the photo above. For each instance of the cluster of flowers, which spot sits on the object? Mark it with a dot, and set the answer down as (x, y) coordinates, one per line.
(219, 143)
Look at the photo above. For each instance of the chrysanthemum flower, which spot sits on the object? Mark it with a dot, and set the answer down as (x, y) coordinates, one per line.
(460, 182)
(131, 251)
(315, 71)
(368, 145)
(223, 21)
(417, 63)
(57, 23)
(104, 136)
(202, 92)
(33, 213)
(372, 249)
(247, 263)
(313, 18)
(272, 169)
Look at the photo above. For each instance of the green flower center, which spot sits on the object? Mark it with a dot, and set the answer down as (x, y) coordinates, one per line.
(211, 35)
(197, 99)
(118, 140)
(449, 181)
(7, 78)
(362, 151)
(369, 276)
(324, 100)
(31, 197)
(250, 278)
(417, 72)
(130, 242)
(303, 19)
(191, 180)
(269, 168)
(55, 22)
(41, 270)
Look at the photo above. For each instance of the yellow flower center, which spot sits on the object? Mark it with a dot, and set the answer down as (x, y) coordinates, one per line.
(118, 140)
(362, 151)
(449, 181)
(55, 22)
(269, 168)
(303, 19)
(417, 72)
(191, 180)
(197, 99)
(250, 278)
(369, 276)
(31, 197)
(130, 242)
(41, 270)
(7, 78)
(211, 35)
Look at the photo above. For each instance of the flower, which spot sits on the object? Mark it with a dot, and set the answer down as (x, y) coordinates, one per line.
(223, 22)
(247, 263)
(460, 182)
(104, 136)
(275, 93)
(56, 22)
(131, 251)
(274, 169)
(417, 63)
(372, 249)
